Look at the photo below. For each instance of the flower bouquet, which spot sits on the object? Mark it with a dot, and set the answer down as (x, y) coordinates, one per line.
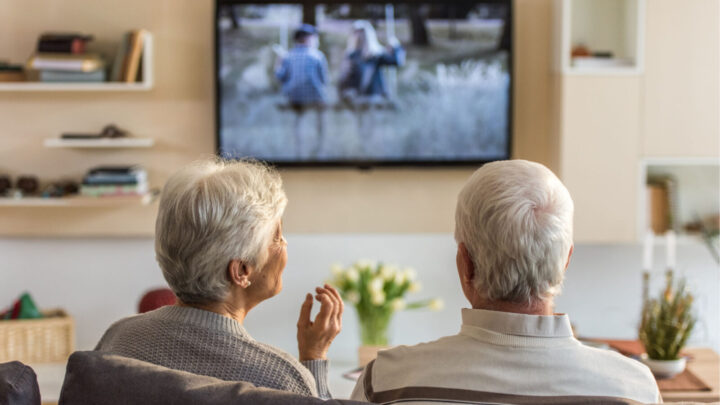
(377, 291)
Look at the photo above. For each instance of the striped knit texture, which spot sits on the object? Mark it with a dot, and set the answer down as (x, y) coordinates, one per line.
(206, 343)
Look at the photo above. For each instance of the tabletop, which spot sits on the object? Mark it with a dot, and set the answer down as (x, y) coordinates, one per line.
(705, 364)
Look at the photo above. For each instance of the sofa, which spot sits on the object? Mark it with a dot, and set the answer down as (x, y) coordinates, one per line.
(101, 378)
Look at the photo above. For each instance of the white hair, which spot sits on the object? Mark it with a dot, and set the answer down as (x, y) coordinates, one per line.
(212, 212)
(515, 218)
(371, 46)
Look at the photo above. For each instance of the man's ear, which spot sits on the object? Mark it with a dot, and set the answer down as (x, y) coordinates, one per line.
(569, 256)
(465, 264)
(239, 273)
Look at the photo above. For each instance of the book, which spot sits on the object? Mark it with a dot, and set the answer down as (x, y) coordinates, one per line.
(73, 43)
(59, 76)
(125, 175)
(114, 170)
(112, 190)
(11, 73)
(90, 181)
(133, 56)
(116, 73)
(67, 62)
(135, 178)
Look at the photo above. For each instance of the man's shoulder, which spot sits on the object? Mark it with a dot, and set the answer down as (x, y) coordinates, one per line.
(419, 353)
(614, 363)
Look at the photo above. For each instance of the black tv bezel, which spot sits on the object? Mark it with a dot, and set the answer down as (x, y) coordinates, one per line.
(367, 164)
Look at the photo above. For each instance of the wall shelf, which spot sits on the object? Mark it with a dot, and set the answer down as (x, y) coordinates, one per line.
(103, 143)
(615, 26)
(78, 201)
(696, 183)
(40, 87)
(145, 85)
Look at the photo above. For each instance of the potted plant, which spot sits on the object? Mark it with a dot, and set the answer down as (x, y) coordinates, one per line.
(665, 328)
(377, 291)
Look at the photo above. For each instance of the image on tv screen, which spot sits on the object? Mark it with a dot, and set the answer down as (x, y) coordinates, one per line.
(368, 82)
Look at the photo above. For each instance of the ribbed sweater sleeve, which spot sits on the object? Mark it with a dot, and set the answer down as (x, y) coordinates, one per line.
(319, 370)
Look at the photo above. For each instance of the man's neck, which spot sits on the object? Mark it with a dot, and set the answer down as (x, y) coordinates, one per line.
(535, 308)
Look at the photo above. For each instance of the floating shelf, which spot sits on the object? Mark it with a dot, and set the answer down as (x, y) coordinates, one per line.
(145, 85)
(99, 143)
(78, 201)
(109, 86)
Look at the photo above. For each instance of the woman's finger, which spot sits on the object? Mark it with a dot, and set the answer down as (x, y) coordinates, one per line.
(339, 299)
(326, 310)
(305, 309)
(337, 309)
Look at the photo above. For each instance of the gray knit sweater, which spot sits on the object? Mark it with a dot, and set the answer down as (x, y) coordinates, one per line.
(206, 343)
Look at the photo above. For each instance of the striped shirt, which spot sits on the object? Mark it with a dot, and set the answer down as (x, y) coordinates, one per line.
(501, 357)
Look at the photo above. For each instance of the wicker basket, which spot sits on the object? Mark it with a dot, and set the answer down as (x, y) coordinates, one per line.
(45, 340)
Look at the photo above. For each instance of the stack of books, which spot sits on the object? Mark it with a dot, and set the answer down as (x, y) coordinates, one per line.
(114, 181)
(61, 57)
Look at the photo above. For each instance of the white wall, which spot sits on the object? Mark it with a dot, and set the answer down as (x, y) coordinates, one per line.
(100, 280)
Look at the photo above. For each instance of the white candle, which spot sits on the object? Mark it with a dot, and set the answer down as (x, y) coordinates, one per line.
(648, 251)
(671, 249)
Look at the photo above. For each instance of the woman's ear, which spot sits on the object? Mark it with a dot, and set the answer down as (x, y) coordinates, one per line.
(239, 273)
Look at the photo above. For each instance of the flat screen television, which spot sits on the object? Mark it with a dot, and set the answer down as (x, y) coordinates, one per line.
(355, 83)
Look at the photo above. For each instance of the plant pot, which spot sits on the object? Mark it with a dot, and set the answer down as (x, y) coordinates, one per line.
(664, 368)
(366, 354)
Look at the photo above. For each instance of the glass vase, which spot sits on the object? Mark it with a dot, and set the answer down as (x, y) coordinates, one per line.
(374, 329)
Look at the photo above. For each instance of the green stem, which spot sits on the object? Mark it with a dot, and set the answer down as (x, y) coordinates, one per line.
(374, 328)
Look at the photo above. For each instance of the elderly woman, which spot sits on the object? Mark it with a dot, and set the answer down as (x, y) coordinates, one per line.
(513, 227)
(220, 246)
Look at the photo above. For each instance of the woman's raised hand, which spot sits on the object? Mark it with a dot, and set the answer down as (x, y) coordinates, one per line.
(314, 337)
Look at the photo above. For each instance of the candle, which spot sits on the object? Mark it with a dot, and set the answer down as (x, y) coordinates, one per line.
(648, 251)
(671, 249)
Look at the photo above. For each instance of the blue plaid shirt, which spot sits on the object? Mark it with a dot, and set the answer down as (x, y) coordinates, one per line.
(304, 75)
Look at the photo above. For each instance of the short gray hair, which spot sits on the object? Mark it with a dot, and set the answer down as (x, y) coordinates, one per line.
(515, 218)
(212, 212)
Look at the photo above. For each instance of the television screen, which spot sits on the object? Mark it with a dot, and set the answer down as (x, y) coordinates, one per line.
(364, 83)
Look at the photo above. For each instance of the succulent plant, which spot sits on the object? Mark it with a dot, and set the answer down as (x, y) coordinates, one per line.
(667, 321)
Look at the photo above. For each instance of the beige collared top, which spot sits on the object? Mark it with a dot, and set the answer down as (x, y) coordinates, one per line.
(502, 357)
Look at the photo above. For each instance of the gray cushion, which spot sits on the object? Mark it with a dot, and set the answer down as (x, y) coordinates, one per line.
(18, 385)
(101, 378)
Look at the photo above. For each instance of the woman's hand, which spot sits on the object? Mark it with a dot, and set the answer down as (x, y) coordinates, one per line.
(314, 337)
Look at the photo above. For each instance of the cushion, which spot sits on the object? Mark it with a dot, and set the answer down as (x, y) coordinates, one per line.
(18, 385)
(102, 378)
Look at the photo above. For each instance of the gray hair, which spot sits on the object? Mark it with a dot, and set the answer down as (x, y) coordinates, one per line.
(515, 218)
(212, 212)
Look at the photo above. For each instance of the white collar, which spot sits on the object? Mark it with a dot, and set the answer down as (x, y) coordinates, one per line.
(509, 323)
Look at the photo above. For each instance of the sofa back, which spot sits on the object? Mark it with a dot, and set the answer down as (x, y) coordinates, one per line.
(101, 378)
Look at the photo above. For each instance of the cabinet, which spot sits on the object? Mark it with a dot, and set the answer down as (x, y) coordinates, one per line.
(616, 125)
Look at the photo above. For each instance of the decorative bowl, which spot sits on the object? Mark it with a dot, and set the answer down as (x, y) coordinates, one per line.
(664, 368)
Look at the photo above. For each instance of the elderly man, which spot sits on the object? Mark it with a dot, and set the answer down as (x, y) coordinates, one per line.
(514, 235)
